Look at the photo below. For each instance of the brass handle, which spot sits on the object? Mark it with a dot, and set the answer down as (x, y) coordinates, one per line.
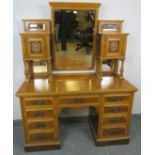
(114, 120)
(116, 109)
(39, 114)
(117, 98)
(40, 125)
(39, 103)
(113, 131)
(79, 100)
(42, 137)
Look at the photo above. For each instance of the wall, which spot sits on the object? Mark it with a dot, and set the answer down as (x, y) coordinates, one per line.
(129, 10)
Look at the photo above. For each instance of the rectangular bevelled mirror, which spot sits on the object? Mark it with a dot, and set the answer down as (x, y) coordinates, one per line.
(39, 67)
(35, 27)
(74, 39)
(74, 36)
(74, 32)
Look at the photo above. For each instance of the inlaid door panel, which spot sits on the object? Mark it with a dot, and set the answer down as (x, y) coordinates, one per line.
(36, 45)
(113, 45)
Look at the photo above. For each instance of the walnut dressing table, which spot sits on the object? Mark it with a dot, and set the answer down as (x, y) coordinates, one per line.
(46, 91)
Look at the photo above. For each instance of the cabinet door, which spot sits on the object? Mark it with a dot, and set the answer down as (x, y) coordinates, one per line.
(114, 45)
(36, 45)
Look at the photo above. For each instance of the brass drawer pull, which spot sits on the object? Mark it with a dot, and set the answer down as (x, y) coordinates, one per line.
(115, 120)
(39, 103)
(40, 125)
(39, 114)
(115, 131)
(116, 109)
(41, 137)
(117, 98)
(79, 100)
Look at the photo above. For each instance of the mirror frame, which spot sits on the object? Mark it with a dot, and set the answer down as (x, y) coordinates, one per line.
(74, 6)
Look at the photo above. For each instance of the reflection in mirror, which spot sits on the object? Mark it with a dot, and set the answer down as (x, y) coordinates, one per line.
(39, 67)
(110, 27)
(108, 65)
(74, 32)
(36, 26)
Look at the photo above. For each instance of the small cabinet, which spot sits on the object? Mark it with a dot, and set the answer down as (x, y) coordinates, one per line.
(112, 45)
(36, 45)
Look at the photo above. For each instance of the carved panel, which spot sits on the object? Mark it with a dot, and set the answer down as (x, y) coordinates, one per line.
(35, 47)
(114, 46)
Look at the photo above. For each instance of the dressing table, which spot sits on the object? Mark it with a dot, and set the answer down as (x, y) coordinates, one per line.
(74, 40)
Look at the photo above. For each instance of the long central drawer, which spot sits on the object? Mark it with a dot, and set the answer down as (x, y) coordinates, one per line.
(79, 100)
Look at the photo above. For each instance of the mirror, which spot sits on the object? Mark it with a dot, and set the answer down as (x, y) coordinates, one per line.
(73, 36)
(36, 26)
(39, 67)
(110, 27)
(108, 65)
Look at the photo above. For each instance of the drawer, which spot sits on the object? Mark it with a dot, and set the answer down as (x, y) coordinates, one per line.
(118, 131)
(34, 102)
(39, 114)
(41, 138)
(40, 125)
(115, 109)
(115, 120)
(117, 98)
(79, 100)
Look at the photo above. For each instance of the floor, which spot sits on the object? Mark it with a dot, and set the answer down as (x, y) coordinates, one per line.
(76, 139)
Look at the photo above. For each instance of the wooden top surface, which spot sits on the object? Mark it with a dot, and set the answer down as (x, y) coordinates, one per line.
(61, 85)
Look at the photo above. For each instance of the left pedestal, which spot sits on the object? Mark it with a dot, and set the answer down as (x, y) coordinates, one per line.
(40, 122)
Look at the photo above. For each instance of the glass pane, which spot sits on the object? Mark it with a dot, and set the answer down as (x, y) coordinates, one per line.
(74, 32)
(108, 65)
(35, 26)
(39, 67)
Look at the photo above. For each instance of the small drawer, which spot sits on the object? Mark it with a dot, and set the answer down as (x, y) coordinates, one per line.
(41, 138)
(114, 120)
(119, 131)
(116, 109)
(116, 98)
(40, 125)
(38, 102)
(112, 98)
(39, 114)
(79, 100)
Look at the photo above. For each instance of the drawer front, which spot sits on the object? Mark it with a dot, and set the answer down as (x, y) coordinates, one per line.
(36, 46)
(117, 99)
(79, 100)
(115, 120)
(39, 114)
(116, 109)
(38, 102)
(40, 125)
(41, 138)
(118, 131)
